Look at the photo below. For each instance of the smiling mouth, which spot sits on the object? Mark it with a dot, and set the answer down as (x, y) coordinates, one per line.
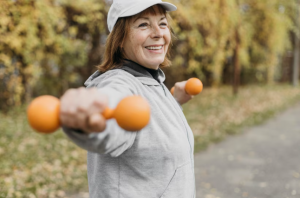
(154, 47)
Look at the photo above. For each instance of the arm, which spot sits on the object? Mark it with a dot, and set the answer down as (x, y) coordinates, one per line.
(180, 94)
(98, 135)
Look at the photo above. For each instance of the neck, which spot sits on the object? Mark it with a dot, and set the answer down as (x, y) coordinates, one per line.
(142, 65)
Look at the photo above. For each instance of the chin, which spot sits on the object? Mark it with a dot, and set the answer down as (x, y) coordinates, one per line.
(154, 64)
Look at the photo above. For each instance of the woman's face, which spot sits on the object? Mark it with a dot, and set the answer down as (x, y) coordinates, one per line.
(148, 40)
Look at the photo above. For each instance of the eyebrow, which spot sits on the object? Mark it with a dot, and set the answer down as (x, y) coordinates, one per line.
(147, 18)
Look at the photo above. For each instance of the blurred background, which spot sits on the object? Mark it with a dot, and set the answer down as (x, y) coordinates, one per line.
(246, 52)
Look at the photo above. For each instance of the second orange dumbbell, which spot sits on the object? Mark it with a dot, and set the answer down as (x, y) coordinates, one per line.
(192, 87)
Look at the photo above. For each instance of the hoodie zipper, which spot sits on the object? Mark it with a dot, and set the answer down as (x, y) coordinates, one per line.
(163, 88)
(187, 133)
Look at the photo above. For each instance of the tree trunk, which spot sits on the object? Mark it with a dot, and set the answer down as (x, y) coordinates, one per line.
(236, 64)
(296, 53)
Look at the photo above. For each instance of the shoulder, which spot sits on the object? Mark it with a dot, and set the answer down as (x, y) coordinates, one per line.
(116, 79)
(109, 76)
(117, 73)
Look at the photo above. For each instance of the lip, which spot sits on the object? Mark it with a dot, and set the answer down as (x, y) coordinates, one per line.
(155, 45)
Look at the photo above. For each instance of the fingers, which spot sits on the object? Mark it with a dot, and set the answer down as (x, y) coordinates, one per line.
(81, 109)
(69, 110)
(180, 93)
(96, 122)
(180, 85)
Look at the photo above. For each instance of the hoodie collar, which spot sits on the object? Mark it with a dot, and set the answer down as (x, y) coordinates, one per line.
(138, 70)
(145, 75)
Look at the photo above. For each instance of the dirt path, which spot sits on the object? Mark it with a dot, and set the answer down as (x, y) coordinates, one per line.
(262, 162)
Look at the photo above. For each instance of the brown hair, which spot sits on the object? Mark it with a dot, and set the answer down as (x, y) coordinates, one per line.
(114, 54)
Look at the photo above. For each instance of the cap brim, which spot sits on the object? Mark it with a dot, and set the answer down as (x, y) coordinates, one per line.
(143, 6)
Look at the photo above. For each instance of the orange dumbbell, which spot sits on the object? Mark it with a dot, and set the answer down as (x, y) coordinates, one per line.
(192, 87)
(132, 113)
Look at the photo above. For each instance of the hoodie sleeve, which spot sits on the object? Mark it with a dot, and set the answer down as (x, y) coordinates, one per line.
(114, 140)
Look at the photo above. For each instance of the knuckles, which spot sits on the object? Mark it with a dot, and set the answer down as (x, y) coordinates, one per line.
(78, 104)
(177, 84)
(82, 108)
(180, 85)
(70, 92)
(68, 112)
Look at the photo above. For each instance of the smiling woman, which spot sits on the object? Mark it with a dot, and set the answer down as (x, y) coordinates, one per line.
(149, 38)
(156, 161)
(131, 35)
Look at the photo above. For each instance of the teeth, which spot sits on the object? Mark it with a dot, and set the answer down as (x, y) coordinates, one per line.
(154, 48)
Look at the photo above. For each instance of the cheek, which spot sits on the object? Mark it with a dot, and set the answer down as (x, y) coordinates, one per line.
(168, 37)
(137, 39)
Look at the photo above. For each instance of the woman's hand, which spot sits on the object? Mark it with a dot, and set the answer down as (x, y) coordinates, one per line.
(81, 109)
(180, 94)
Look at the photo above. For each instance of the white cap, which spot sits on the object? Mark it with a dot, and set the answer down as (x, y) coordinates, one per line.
(125, 8)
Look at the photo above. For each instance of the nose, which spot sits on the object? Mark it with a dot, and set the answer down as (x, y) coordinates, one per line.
(156, 32)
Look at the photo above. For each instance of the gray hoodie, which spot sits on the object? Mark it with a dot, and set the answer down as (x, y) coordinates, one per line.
(155, 162)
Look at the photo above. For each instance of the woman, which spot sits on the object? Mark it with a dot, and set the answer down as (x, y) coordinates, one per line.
(156, 161)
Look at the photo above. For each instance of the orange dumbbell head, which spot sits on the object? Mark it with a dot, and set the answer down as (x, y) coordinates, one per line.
(132, 113)
(193, 86)
(43, 114)
(172, 90)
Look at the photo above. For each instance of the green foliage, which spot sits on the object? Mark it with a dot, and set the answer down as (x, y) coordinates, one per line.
(271, 24)
(206, 32)
(43, 43)
(48, 46)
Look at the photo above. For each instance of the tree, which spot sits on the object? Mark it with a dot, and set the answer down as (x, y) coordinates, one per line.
(296, 50)
(210, 32)
(45, 45)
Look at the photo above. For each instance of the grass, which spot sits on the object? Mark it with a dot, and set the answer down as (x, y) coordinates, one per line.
(34, 165)
(216, 113)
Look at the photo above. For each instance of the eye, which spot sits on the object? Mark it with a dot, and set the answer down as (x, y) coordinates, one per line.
(163, 24)
(143, 25)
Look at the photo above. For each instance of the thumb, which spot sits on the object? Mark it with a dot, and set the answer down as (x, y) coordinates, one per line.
(96, 123)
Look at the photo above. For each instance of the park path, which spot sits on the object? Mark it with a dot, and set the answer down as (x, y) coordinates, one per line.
(261, 162)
